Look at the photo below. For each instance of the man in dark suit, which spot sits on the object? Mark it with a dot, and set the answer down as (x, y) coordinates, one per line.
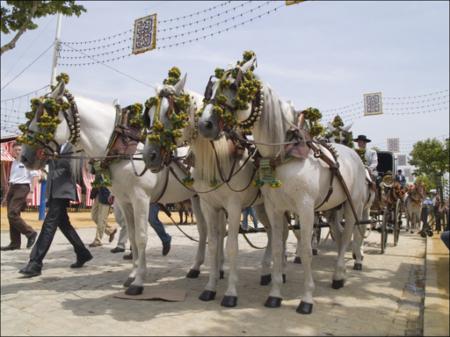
(60, 190)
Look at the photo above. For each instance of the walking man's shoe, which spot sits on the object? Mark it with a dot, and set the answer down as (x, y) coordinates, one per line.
(166, 247)
(128, 256)
(81, 261)
(95, 244)
(9, 247)
(31, 240)
(30, 270)
(117, 250)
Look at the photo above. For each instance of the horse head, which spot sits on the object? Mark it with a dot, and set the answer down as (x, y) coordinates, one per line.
(47, 128)
(233, 98)
(167, 115)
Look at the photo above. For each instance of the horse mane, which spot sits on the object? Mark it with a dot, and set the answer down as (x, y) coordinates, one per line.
(275, 118)
(205, 159)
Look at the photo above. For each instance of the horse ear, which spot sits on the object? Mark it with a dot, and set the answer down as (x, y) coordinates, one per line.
(59, 90)
(347, 128)
(247, 65)
(180, 85)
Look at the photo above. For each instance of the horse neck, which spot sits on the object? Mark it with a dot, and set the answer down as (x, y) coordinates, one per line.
(276, 118)
(96, 125)
(206, 168)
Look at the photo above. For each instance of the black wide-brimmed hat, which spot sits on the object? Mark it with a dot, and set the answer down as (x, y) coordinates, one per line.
(363, 138)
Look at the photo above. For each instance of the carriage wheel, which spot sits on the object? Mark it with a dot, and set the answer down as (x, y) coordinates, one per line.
(384, 231)
(397, 221)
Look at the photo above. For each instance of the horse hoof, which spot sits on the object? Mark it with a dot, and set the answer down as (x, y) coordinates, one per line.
(134, 290)
(222, 275)
(273, 302)
(357, 266)
(304, 308)
(314, 251)
(284, 278)
(193, 273)
(265, 279)
(337, 284)
(298, 260)
(207, 295)
(128, 282)
(229, 301)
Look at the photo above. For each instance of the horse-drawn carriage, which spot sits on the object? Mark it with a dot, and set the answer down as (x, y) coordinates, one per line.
(386, 209)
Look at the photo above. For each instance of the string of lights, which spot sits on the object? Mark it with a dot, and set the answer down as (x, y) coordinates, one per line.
(184, 42)
(26, 95)
(170, 37)
(105, 38)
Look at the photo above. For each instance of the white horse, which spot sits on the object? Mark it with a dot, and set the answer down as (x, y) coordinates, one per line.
(214, 162)
(305, 182)
(133, 193)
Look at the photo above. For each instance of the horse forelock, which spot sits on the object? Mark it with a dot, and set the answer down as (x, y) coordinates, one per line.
(272, 125)
(205, 158)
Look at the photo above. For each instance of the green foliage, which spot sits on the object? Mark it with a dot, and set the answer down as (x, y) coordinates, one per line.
(174, 76)
(48, 121)
(312, 119)
(426, 181)
(340, 136)
(431, 159)
(362, 154)
(20, 14)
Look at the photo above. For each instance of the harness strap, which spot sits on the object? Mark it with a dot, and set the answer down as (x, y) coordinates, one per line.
(330, 189)
(334, 166)
(166, 181)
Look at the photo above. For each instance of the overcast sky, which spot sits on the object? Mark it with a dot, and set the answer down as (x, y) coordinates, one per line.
(320, 54)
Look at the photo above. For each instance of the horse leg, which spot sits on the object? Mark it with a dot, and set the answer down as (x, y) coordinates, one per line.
(220, 253)
(234, 214)
(128, 215)
(267, 257)
(358, 240)
(297, 258)
(276, 222)
(306, 216)
(212, 220)
(339, 273)
(140, 210)
(202, 232)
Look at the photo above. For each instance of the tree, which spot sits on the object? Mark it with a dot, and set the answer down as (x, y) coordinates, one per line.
(431, 158)
(18, 16)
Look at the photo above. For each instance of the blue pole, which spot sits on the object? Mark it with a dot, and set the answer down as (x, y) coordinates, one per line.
(42, 204)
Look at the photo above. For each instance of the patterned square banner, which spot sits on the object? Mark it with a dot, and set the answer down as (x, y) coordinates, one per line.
(373, 104)
(144, 38)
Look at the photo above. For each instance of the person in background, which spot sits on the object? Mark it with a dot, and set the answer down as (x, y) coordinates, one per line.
(20, 180)
(158, 226)
(61, 189)
(99, 213)
(400, 178)
(369, 154)
(249, 211)
(427, 205)
(437, 210)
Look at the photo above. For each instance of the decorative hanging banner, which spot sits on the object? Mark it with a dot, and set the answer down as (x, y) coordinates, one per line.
(293, 2)
(144, 37)
(373, 104)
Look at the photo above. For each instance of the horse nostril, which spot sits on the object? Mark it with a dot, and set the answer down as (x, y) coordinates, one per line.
(208, 125)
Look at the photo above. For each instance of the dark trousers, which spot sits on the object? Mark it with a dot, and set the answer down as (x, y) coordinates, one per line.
(16, 202)
(56, 217)
(157, 224)
(437, 217)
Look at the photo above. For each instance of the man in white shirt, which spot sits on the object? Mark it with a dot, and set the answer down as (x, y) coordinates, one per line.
(20, 180)
(370, 155)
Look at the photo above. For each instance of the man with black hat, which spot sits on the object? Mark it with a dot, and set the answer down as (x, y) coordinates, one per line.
(369, 155)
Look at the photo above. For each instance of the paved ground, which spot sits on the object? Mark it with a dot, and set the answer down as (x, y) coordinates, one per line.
(386, 298)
